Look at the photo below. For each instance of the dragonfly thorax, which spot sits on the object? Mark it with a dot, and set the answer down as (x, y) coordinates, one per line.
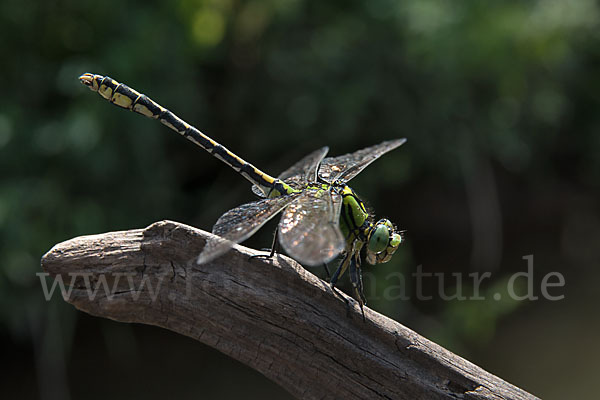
(355, 221)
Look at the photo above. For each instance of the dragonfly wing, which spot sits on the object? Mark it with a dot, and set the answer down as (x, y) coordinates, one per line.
(349, 165)
(298, 174)
(240, 223)
(305, 170)
(258, 191)
(309, 228)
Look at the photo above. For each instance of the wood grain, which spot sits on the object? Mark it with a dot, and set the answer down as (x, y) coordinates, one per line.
(272, 315)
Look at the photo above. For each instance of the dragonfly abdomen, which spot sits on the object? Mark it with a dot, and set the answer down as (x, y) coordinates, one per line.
(126, 97)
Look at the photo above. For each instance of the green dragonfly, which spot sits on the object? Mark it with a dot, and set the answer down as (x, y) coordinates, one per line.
(322, 217)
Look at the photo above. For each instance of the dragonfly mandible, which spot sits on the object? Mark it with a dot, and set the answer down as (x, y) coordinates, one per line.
(322, 218)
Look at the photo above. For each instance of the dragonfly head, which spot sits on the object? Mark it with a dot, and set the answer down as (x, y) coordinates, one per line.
(382, 242)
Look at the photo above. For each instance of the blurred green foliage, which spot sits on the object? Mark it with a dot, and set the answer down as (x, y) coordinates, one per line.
(498, 100)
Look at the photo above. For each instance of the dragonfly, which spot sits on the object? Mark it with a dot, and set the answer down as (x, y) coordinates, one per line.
(322, 217)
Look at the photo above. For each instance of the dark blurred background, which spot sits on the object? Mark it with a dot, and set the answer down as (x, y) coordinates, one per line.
(499, 102)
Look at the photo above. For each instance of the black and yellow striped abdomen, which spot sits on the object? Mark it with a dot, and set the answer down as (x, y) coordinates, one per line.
(126, 97)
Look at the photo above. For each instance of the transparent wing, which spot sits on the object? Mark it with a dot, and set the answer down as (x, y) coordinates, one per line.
(309, 228)
(349, 165)
(298, 174)
(240, 223)
(306, 168)
(258, 191)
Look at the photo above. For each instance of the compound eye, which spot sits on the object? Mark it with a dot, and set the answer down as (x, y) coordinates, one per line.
(379, 239)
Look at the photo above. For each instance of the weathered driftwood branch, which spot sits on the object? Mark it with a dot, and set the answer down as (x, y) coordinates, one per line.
(272, 315)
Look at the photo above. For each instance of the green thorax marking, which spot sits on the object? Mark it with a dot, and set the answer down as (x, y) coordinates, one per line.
(355, 221)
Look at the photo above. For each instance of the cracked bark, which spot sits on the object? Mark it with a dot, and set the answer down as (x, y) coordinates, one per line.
(272, 315)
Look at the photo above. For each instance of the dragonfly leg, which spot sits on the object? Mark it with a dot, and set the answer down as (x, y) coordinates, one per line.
(327, 271)
(341, 296)
(274, 247)
(360, 281)
(338, 272)
(356, 278)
